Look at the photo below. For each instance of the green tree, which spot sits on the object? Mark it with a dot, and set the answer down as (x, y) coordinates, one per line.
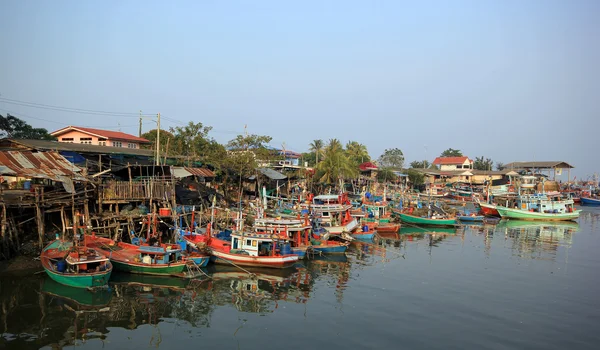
(450, 152)
(13, 127)
(165, 138)
(415, 177)
(335, 165)
(357, 152)
(316, 147)
(386, 174)
(482, 163)
(424, 164)
(392, 158)
(500, 166)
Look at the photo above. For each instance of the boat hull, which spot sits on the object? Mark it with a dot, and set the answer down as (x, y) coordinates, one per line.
(489, 209)
(589, 201)
(411, 219)
(155, 269)
(77, 280)
(510, 213)
(80, 281)
(331, 248)
(469, 218)
(284, 261)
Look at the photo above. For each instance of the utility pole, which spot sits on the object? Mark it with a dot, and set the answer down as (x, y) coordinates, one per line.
(158, 141)
(140, 131)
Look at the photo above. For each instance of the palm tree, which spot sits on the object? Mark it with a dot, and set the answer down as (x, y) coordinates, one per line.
(357, 152)
(317, 147)
(335, 165)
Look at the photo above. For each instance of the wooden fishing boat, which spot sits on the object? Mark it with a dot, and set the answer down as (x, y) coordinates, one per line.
(388, 228)
(299, 233)
(488, 209)
(521, 214)
(162, 259)
(417, 220)
(365, 234)
(75, 265)
(246, 249)
(541, 207)
(589, 201)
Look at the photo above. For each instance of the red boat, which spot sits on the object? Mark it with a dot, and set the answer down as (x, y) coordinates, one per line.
(489, 209)
(246, 249)
(388, 228)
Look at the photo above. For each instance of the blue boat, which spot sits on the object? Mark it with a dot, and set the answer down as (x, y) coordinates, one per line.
(590, 201)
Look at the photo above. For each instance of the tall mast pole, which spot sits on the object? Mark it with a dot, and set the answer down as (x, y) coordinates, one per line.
(158, 141)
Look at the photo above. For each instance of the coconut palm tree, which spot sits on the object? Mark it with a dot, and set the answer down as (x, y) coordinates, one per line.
(357, 152)
(317, 147)
(335, 164)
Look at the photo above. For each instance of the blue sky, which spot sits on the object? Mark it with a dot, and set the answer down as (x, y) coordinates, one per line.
(509, 80)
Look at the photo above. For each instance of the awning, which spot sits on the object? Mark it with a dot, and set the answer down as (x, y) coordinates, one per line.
(180, 172)
(270, 173)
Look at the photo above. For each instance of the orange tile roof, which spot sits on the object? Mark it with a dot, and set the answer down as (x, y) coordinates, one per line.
(450, 160)
(111, 135)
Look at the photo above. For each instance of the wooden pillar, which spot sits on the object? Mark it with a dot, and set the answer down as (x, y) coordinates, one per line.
(39, 217)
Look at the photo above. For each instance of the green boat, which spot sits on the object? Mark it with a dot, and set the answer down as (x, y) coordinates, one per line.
(150, 280)
(417, 220)
(509, 213)
(165, 260)
(75, 266)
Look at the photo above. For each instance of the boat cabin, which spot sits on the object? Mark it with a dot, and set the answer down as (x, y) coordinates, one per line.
(163, 254)
(82, 260)
(259, 244)
(543, 203)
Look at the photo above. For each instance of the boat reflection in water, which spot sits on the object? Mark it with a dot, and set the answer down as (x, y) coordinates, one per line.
(536, 239)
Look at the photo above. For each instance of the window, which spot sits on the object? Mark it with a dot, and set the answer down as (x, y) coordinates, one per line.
(248, 242)
(117, 144)
(254, 243)
(85, 140)
(102, 143)
(67, 139)
(132, 145)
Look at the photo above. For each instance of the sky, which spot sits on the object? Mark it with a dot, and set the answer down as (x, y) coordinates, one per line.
(510, 80)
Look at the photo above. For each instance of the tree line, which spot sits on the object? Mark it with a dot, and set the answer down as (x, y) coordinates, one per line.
(192, 145)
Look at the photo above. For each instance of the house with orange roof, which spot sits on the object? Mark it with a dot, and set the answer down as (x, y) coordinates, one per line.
(90, 136)
(453, 163)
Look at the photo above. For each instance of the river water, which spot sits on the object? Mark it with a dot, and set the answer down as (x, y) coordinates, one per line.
(517, 285)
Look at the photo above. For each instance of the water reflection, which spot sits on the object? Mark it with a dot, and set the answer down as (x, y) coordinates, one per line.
(38, 312)
(537, 239)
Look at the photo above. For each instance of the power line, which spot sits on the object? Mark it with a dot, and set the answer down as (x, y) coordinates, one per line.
(18, 114)
(69, 109)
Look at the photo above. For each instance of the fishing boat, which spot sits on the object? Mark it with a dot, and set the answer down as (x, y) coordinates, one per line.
(549, 207)
(75, 265)
(488, 209)
(299, 233)
(332, 213)
(155, 259)
(589, 201)
(366, 233)
(388, 228)
(470, 213)
(246, 248)
(435, 219)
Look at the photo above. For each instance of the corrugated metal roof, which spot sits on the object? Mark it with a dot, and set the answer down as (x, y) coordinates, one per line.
(186, 171)
(40, 165)
(538, 165)
(270, 173)
(203, 172)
